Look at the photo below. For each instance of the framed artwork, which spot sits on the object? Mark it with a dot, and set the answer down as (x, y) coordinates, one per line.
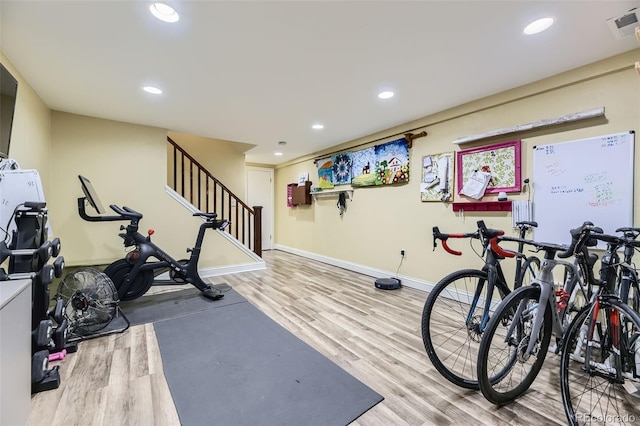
(437, 177)
(502, 160)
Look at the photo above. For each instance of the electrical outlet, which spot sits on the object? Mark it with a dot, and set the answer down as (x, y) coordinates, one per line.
(402, 252)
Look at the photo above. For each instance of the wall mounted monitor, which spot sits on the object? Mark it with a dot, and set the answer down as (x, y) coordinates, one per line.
(91, 195)
(8, 93)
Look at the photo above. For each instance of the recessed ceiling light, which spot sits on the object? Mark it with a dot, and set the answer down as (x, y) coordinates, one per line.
(164, 12)
(318, 126)
(385, 95)
(538, 26)
(277, 153)
(151, 89)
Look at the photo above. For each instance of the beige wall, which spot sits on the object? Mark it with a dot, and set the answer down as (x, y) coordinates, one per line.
(226, 158)
(379, 222)
(31, 132)
(127, 165)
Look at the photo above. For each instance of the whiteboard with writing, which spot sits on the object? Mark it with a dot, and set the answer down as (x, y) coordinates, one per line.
(583, 180)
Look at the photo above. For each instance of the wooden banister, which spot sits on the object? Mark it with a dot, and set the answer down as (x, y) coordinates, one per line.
(210, 195)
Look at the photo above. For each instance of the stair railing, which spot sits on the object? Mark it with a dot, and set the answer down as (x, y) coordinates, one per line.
(198, 186)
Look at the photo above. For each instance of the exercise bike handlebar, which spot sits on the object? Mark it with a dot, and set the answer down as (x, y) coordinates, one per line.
(124, 213)
(91, 198)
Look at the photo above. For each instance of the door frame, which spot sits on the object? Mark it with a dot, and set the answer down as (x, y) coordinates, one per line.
(271, 171)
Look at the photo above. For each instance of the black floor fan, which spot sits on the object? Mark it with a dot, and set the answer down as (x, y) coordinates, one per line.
(91, 304)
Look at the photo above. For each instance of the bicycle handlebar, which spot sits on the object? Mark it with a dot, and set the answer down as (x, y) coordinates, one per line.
(582, 237)
(437, 235)
(487, 236)
(499, 250)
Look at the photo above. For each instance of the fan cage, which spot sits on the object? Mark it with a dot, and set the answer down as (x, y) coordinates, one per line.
(90, 300)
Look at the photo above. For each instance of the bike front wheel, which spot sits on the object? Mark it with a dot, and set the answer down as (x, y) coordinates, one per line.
(453, 320)
(506, 368)
(600, 366)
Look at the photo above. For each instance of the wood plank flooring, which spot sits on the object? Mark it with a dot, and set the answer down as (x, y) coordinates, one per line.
(373, 334)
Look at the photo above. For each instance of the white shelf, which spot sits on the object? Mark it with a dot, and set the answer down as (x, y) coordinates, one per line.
(333, 193)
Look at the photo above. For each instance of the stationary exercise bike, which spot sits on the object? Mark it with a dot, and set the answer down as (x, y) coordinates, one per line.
(136, 273)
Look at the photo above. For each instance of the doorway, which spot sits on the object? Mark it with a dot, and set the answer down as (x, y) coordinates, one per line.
(260, 193)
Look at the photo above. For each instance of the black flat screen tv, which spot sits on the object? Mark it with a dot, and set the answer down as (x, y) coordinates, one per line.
(8, 93)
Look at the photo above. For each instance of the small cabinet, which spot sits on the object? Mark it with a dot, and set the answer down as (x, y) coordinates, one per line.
(301, 194)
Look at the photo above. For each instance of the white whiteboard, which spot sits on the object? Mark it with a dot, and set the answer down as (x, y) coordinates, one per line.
(583, 180)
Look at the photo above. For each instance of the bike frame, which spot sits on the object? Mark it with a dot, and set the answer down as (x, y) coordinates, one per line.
(601, 300)
(494, 253)
(544, 280)
(146, 249)
(495, 278)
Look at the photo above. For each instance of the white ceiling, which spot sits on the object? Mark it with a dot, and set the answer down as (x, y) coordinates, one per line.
(259, 72)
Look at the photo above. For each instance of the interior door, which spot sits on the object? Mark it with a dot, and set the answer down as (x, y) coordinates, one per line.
(260, 193)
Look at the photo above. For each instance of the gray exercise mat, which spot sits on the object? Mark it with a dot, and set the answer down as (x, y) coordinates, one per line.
(156, 307)
(235, 366)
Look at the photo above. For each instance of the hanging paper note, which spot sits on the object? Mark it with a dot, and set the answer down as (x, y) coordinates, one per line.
(476, 184)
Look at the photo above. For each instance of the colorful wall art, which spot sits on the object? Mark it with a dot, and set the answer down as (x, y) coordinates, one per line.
(385, 164)
(364, 167)
(341, 168)
(325, 173)
(388, 165)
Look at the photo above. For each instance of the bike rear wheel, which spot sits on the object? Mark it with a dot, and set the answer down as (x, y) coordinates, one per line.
(597, 376)
(452, 324)
(505, 371)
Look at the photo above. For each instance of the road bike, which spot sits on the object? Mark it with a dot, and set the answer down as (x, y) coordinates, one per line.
(517, 337)
(600, 366)
(457, 310)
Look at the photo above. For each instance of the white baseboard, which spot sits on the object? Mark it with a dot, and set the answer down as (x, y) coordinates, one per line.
(407, 281)
(224, 270)
(361, 269)
(232, 269)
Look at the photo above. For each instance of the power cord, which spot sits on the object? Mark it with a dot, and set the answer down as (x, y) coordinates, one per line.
(400, 264)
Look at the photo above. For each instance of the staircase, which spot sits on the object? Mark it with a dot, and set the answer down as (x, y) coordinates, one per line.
(198, 186)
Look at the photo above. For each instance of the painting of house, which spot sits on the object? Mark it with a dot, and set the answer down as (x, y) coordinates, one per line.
(394, 165)
(392, 162)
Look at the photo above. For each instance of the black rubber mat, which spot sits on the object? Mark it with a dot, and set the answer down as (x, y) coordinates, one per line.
(236, 366)
(156, 307)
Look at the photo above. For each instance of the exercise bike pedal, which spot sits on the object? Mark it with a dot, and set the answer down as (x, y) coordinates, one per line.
(212, 293)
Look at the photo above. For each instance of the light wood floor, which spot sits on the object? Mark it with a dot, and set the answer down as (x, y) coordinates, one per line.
(373, 334)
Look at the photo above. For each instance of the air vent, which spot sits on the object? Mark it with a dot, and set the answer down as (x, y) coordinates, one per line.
(624, 25)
